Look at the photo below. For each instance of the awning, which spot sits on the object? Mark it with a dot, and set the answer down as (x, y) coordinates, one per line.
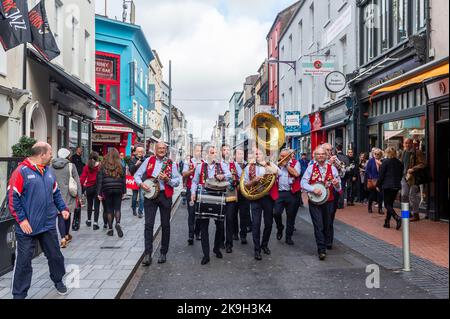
(112, 129)
(333, 125)
(74, 85)
(390, 134)
(431, 70)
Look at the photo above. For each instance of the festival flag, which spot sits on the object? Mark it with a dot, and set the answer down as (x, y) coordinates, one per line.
(14, 23)
(42, 37)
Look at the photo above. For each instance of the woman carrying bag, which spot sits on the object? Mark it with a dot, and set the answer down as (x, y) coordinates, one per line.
(390, 182)
(69, 184)
(372, 175)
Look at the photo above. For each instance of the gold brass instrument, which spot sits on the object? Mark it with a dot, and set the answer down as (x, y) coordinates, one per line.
(287, 157)
(270, 136)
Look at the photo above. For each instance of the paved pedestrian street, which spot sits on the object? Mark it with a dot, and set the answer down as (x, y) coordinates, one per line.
(290, 272)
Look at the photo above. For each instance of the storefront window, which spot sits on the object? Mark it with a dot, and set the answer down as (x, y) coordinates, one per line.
(61, 131)
(85, 141)
(73, 133)
(396, 132)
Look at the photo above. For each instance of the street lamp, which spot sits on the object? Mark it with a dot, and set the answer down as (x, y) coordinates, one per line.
(292, 64)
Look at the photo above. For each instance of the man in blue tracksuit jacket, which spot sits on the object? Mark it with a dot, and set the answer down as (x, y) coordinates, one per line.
(35, 201)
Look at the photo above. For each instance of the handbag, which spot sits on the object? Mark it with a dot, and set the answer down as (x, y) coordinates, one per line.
(372, 183)
(73, 187)
(76, 217)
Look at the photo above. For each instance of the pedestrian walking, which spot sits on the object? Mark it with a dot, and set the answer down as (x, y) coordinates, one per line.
(31, 185)
(138, 196)
(351, 177)
(67, 177)
(362, 182)
(88, 181)
(389, 181)
(372, 175)
(111, 185)
(414, 163)
(78, 160)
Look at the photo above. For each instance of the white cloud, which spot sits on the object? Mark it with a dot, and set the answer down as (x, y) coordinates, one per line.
(213, 44)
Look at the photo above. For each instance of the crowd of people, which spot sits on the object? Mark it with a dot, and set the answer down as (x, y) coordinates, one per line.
(43, 194)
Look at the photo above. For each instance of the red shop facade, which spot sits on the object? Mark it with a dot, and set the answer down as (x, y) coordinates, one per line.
(318, 136)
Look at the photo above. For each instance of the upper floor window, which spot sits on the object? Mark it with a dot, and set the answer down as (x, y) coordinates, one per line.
(2, 61)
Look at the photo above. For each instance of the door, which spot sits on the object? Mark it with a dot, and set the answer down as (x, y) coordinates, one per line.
(443, 166)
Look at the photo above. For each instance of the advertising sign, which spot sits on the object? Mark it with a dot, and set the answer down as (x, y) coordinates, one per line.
(293, 123)
(335, 82)
(318, 67)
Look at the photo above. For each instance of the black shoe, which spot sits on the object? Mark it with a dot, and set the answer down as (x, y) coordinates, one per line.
(289, 242)
(119, 230)
(399, 223)
(280, 233)
(266, 250)
(205, 260)
(330, 247)
(236, 237)
(110, 232)
(218, 254)
(229, 250)
(61, 288)
(88, 223)
(134, 212)
(244, 241)
(105, 226)
(258, 256)
(386, 224)
(95, 227)
(190, 242)
(162, 259)
(147, 260)
(322, 256)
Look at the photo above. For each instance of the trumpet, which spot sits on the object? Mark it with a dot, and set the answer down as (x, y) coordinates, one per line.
(287, 157)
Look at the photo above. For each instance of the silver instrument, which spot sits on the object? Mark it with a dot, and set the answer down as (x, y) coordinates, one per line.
(323, 198)
(210, 204)
(153, 185)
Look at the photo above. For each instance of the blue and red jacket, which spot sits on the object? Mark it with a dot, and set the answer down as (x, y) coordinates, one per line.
(34, 196)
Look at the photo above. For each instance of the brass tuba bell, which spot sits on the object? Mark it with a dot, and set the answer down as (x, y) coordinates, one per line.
(269, 134)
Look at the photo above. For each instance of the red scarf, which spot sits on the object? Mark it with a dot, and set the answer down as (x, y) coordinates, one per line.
(273, 191)
(168, 190)
(234, 174)
(296, 186)
(204, 172)
(191, 177)
(316, 177)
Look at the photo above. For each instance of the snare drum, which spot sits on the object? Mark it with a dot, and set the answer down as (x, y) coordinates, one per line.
(210, 204)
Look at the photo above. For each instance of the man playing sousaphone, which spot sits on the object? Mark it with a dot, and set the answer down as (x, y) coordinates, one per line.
(188, 172)
(210, 169)
(321, 172)
(288, 188)
(165, 174)
(254, 175)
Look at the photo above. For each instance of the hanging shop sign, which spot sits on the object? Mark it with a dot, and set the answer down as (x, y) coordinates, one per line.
(318, 67)
(293, 125)
(336, 82)
(105, 138)
(306, 125)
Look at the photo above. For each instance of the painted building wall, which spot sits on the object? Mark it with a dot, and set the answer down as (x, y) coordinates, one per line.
(439, 34)
(273, 53)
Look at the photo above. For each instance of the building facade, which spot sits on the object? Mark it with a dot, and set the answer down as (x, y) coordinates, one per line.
(123, 57)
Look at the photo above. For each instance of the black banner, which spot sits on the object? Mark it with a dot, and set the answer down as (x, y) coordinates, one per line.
(42, 37)
(14, 23)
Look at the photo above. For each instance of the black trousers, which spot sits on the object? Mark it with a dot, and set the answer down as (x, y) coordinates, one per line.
(193, 224)
(243, 206)
(262, 208)
(218, 238)
(333, 209)
(321, 217)
(375, 196)
(231, 221)
(150, 207)
(92, 202)
(340, 203)
(287, 201)
(25, 250)
(351, 190)
(389, 196)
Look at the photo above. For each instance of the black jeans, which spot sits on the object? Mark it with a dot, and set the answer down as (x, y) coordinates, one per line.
(351, 190)
(150, 207)
(23, 270)
(289, 202)
(321, 217)
(92, 202)
(375, 196)
(340, 203)
(389, 198)
(193, 224)
(244, 215)
(113, 205)
(231, 212)
(262, 208)
(218, 238)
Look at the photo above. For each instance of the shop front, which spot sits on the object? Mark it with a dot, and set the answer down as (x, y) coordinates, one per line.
(108, 136)
(318, 135)
(439, 159)
(335, 126)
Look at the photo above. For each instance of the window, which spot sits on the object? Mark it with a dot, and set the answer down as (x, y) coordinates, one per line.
(87, 57)
(291, 99)
(73, 133)
(3, 64)
(420, 17)
(135, 71)
(344, 54)
(300, 33)
(141, 79)
(141, 115)
(58, 28)
(75, 46)
(299, 95)
(135, 111)
(311, 19)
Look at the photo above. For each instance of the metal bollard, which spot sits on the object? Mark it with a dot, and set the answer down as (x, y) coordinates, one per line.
(406, 247)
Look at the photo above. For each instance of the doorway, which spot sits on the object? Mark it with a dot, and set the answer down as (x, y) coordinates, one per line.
(443, 167)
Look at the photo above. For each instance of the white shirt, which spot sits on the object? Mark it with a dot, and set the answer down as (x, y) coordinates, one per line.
(260, 171)
(211, 174)
(323, 171)
(174, 181)
(285, 181)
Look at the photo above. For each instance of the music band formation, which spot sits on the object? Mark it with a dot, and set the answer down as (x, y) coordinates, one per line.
(234, 192)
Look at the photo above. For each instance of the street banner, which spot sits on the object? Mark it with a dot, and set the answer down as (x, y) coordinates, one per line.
(318, 67)
(131, 183)
(293, 125)
(42, 37)
(14, 23)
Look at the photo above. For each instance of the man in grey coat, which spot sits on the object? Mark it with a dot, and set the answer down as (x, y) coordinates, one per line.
(60, 168)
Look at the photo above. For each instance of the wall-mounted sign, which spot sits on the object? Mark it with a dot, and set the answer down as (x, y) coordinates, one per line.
(293, 123)
(105, 138)
(110, 128)
(335, 82)
(104, 69)
(316, 121)
(318, 67)
(438, 89)
(306, 125)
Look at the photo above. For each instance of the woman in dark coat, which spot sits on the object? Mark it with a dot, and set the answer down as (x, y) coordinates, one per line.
(389, 181)
(372, 172)
(111, 183)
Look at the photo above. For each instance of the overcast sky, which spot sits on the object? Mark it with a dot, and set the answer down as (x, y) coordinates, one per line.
(213, 45)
